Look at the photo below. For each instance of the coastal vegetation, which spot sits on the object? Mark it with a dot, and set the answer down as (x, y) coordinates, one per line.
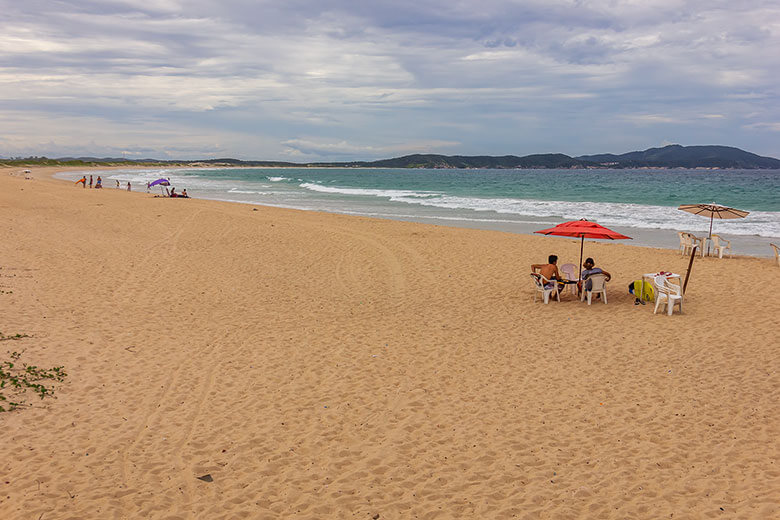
(17, 377)
(672, 156)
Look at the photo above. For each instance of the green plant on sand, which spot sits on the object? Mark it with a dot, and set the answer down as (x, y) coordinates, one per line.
(3, 337)
(16, 378)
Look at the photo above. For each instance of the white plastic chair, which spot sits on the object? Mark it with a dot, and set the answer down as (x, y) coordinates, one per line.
(539, 285)
(569, 272)
(702, 242)
(686, 242)
(598, 286)
(668, 293)
(719, 245)
(776, 249)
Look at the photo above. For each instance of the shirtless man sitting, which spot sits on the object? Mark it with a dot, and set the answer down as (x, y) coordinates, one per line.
(549, 271)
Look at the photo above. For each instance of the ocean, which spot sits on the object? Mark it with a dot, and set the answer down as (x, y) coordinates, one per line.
(640, 203)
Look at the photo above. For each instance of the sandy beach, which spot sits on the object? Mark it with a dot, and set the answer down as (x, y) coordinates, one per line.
(327, 366)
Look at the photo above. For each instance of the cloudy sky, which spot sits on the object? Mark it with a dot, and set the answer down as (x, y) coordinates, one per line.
(303, 80)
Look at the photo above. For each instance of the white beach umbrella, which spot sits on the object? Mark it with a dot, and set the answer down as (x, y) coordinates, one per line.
(714, 211)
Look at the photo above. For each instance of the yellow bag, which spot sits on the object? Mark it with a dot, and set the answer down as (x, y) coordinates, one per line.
(647, 294)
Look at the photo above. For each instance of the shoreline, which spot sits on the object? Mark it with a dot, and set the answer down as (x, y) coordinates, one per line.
(665, 238)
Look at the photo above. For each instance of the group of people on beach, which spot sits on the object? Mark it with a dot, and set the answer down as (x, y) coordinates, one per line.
(553, 279)
(99, 183)
(556, 281)
(182, 195)
(170, 193)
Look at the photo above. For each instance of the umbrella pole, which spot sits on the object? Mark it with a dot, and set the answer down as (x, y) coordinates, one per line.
(582, 244)
(690, 264)
(709, 238)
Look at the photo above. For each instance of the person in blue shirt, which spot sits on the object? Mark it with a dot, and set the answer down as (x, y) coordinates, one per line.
(590, 270)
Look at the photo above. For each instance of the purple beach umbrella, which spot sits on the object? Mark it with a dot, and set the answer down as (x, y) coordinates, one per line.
(161, 183)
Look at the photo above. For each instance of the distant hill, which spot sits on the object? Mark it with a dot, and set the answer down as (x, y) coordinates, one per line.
(676, 156)
(478, 161)
(672, 156)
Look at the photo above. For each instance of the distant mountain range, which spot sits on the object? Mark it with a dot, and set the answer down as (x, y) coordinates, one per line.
(672, 156)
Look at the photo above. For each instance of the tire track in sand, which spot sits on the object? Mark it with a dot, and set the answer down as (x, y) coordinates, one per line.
(157, 253)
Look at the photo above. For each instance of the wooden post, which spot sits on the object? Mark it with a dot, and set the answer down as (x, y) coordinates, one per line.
(580, 285)
(690, 264)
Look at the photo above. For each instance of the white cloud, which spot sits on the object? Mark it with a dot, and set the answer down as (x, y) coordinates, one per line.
(652, 119)
(325, 148)
(771, 126)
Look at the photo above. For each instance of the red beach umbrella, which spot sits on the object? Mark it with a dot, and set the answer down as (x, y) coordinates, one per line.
(583, 229)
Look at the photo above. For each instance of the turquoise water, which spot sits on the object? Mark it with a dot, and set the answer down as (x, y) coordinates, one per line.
(515, 200)
(747, 189)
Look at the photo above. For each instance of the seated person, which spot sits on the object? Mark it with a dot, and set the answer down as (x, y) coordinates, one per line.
(590, 270)
(549, 271)
(184, 194)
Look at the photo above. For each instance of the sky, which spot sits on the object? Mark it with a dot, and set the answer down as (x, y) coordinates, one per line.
(337, 80)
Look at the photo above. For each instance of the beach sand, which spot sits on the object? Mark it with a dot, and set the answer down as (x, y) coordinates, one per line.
(328, 366)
